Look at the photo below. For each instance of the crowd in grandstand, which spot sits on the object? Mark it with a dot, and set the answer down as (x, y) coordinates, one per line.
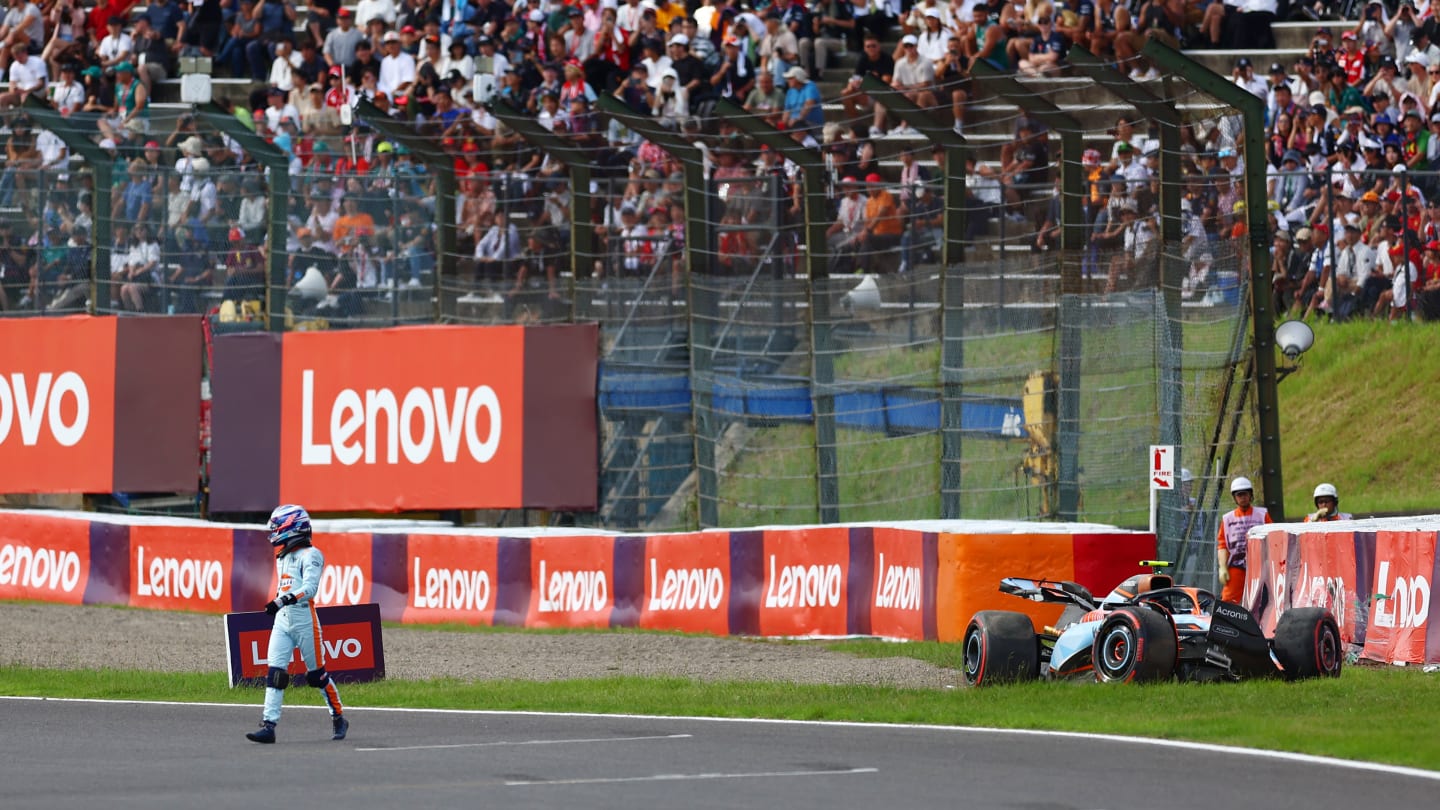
(1351, 126)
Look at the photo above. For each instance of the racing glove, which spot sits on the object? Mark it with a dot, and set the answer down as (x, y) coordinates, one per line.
(273, 606)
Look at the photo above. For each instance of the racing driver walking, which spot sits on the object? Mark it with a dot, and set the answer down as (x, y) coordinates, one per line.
(299, 566)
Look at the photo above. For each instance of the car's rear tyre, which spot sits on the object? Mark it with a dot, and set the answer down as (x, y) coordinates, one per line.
(1000, 647)
(1134, 645)
(1307, 643)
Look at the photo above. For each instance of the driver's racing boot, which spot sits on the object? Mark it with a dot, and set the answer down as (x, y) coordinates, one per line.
(264, 734)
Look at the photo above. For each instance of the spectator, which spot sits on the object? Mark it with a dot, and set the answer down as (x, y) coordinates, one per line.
(279, 109)
(873, 62)
(1337, 291)
(499, 246)
(143, 288)
(923, 218)
(1044, 51)
(284, 73)
(68, 94)
(802, 101)
(23, 24)
(766, 100)
(27, 75)
(833, 24)
(277, 20)
(692, 76)
(244, 270)
(167, 19)
(779, 49)
(130, 115)
(204, 29)
(1403, 275)
(15, 270)
(397, 69)
(1291, 261)
(241, 30)
(341, 41)
(116, 46)
(1429, 295)
(670, 104)
(882, 227)
(537, 265)
(152, 53)
(735, 76)
(134, 202)
(914, 77)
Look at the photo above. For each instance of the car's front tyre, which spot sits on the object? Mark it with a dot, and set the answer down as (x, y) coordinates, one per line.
(1134, 645)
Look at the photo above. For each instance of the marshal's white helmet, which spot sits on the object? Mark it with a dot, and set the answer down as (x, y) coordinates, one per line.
(1241, 484)
(1326, 491)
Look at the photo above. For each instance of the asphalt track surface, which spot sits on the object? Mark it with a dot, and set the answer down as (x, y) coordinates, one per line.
(61, 754)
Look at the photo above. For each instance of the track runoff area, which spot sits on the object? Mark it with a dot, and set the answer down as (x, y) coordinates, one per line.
(78, 753)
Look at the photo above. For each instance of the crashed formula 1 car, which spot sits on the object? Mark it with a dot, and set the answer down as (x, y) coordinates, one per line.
(1147, 629)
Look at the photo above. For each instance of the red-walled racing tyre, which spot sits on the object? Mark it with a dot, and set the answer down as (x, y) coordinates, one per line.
(1000, 647)
(1307, 642)
(1134, 645)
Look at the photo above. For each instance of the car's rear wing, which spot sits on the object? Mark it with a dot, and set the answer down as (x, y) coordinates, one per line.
(1049, 590)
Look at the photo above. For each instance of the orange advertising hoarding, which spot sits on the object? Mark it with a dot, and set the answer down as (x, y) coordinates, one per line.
(897, 601)
(181, 568)
(571, 581)
(403, 418)
(805, 582)
(57, 404)
(687, 583)
(972, 565)
(44, 558)
(99, 404)
(1400, 617)
(451, 578)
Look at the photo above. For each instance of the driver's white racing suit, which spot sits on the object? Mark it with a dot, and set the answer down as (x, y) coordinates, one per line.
(297, 626)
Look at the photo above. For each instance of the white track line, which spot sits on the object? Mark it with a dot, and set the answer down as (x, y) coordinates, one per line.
(1183, 745)
(686, 777)
(495, 743)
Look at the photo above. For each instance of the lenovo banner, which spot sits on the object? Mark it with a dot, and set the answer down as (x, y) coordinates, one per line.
(571, 581)
(805, 582)
(99, 404)
(1400, 619)
(430, 417)
(451, 578)
(1377, 583)
(44, 558)
(687, 583)
(350, 645)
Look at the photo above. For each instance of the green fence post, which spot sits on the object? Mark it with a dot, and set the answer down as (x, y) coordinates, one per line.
(699, 241)
(276, 285)
(1072, 243)
(78, 141)
(821, 339)
(577, 162)
(443, 166)
(952, 286)
(1167, 119)
(1258, 230)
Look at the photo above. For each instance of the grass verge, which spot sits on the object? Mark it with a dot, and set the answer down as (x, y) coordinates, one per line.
(1379, 715)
